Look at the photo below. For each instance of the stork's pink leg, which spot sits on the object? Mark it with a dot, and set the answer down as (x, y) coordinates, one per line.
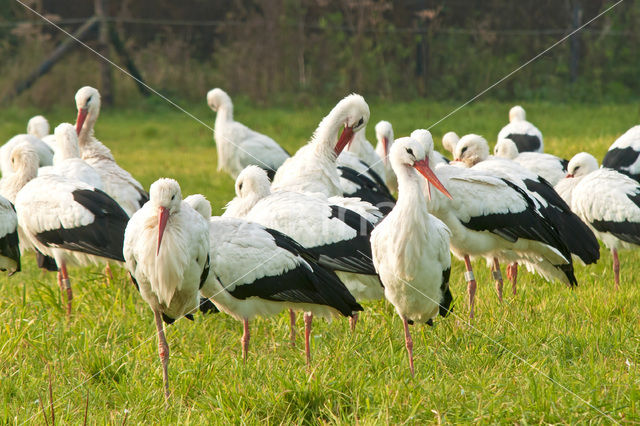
(109, 275)
(353, 320)
(408, 342)
(308, 317)
(512, 274)
(292, 321)
(163, 351)
(67, 285)
(471, 285)
(245, 339)
(61, 286)
(497, 276)
(616, 268)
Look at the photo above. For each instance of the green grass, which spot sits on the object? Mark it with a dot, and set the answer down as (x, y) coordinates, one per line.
(547, 355)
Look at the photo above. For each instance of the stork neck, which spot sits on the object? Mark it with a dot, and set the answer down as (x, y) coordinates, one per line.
(224, 112)
(410, 195)
(66, 149)
(86, 133)
(326, 135)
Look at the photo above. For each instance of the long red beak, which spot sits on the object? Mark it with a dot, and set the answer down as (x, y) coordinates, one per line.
(163, 216)
(345, 138)
(385, 147)
(569, 175)
(82, 116)
(423, 167)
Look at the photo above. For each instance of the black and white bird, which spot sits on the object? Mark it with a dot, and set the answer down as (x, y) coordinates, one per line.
(624, 154)
(67, 220)
(257, 271)
(548, 166)
(493, 218)
(45, 153)
(118, 183)
(237, 145)
(411, 247)
(9, 244)
(608, 201)
(166, 248)
(526, 136)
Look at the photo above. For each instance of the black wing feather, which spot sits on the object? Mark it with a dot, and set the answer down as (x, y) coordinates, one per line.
(368, 190)
(620, 159)
(10, 248)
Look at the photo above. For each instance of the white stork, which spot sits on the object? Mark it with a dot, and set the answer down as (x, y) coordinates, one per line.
(9, 245)
(118, 183)
(525, 135)
(257, 271)
(335, 229)
(609, 202)
(548, 166)
(493, 218)
(238, 146)
(384, 136)
(166, 248)
(67, 220)
(410, 247)
(624, 154)
(45, 153)
(449, 142)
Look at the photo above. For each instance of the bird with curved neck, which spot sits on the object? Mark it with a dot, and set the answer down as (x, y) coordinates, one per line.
(24, 161)
(38, 126)
(237, 145)
(313, 167)
(410, 247)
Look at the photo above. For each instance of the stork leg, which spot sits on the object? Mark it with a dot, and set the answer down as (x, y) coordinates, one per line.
(61, 286)
(245, 339)
(108, 274)
(497, 276)
(471, 285)
(353, 320)
(512, 274)
(67, 286)
(292, 321)
(408, 342)
(308, 317)
(616, 268)
(163, 351)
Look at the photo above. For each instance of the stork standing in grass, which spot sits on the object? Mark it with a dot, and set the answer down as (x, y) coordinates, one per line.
(526, 136)
(238, 146)
(410, 247)
(166, 249)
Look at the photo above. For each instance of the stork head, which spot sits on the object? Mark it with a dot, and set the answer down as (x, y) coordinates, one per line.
(253, 181)
(67, 142)
(449, 141)
(414, 153)
(581, 165)
(517, 113)
(472, 149)
(38, 126)
(24, 157)
(200, 204)
(384, 135)
(352, 112)
(88, 104)
(166, 197)
(506, 148)
(217, 98)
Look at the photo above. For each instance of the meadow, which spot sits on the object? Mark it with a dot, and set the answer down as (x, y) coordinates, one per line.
(549, 354)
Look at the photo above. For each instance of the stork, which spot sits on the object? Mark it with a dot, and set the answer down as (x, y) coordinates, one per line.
(118, 183)
(9, 245)
(548, 166)
(526, 136)
(167, 275)
(257, 271)
(410, 247)
(65, 219)
(609, 202)
(238, 146)
(384, 136)
(624, 154)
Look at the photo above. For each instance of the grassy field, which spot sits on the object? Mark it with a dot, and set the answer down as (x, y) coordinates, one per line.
(547, 355)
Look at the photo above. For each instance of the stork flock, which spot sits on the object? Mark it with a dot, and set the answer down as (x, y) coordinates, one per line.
(319, 231)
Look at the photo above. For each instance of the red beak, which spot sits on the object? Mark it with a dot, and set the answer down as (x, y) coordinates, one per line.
(82, 115)
(385, 147)
(163, 216)
(569, 175)
(345, 138)
(423, 167)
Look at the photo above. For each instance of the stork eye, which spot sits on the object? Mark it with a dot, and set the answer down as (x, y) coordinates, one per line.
(360, 121)
(88, 100)
(410, 151)
(240, 186)
(173, 197)
(463, 150)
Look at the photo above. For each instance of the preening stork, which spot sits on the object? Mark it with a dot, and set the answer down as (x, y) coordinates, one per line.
(45, 153)
(494, 218)
(609, 202)
(166, 248)
(67, 220)
(384, 136)
(237, 145)
(337, 230)
(624, 154)
(449, 142)
(548, 166)
(9, 244)
(257, 271)
(118, 183)
(526, 136)
(410, 247)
